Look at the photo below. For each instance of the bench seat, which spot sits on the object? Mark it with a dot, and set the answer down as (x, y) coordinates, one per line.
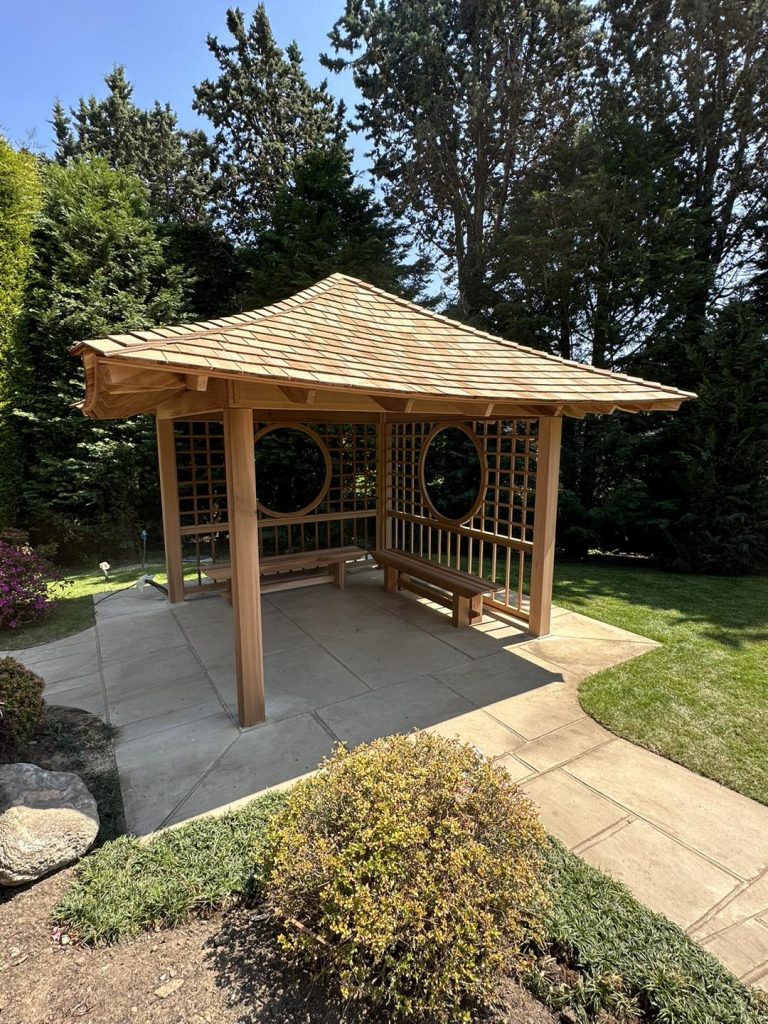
(459, 591)
(333, 559)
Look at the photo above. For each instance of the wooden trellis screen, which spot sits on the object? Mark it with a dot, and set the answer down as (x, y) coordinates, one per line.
(345, 515)
(496, 541)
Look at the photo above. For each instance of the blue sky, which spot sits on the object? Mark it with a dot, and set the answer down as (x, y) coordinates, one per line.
(63, 48)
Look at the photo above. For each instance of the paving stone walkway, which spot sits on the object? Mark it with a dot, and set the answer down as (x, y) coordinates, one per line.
(354, 664)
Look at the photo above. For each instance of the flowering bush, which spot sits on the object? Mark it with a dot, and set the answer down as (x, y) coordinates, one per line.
(25, 578)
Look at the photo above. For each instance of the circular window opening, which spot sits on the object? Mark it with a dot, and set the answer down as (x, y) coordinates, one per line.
(452, 473)
(293, 470)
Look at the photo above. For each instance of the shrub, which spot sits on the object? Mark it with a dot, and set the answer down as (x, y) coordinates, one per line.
(21, 698)
(410, 871)
(24, 584)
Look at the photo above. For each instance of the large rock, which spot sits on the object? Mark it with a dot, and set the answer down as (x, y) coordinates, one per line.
(47, 820)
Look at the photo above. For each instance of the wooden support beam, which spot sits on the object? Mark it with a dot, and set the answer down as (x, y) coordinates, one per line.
(244, 554)
(383, 484)
(391, 403)
(187, 403)
(544, 524)
(301, 396)
(169, 497)
(481, 411)
(196, 381)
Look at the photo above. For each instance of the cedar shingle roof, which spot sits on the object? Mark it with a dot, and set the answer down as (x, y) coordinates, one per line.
(344, 334)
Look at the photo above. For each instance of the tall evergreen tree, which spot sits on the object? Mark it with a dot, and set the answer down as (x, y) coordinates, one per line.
(20, 196)
(459, 99)
(176, 168)
(174, 165)
(98, 267)
(266, 116)
(322, 223)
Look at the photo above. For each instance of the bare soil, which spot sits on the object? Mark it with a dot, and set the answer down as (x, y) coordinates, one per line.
(222, 970)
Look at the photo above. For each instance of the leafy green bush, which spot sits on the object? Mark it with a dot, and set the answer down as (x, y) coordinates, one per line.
(411, 871)
(128, 886)
(21, 698)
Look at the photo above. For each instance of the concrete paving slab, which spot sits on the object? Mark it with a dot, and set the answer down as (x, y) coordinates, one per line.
(585, 656)
(564, 744)
(663, 874)
(203, 611)
(481, 731)
(572, 624)
(158, 771)
(536, 712)
(743, 948)
(161, 699)
(89, 696)
(571, 811)
(260, 758)
(415, 704)
(155, 668)
(496, 677)
(132, 602)
(751, 901)
(72, 664)
(120, 637)
(515, 768)
(387, 655)
(92, 679)
(54, 650)
(306, 678)
(143, 727)
(696, 810)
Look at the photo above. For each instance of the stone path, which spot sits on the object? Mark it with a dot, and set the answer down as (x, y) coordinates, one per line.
(361, 663)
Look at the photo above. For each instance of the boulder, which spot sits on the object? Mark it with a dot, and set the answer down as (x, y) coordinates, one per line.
(47, 820)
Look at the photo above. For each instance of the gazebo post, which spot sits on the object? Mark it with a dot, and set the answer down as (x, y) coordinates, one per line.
(544, 524)
(169, 498)
(244, 555)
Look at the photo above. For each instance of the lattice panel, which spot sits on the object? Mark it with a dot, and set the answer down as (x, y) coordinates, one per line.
(201, 474)
(347, 513)
(495, 542)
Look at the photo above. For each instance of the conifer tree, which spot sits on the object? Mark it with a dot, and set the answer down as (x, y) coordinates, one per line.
(266, 116)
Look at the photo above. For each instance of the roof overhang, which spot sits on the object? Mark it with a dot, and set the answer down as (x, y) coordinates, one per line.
(342, 349)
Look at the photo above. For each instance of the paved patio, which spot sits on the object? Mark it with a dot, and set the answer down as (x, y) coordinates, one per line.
(354, 664)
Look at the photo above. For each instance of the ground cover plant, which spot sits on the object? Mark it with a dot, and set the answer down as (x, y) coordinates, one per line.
(702, 698)
(410, 872)
(128, 886)
(601, 951)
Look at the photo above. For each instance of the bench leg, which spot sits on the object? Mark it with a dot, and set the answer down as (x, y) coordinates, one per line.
(339, 573)
(476, 608)
(461, 611)
(391, 579)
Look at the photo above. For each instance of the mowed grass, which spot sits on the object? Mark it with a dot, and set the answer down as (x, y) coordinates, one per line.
(72, 611)
(702, 698)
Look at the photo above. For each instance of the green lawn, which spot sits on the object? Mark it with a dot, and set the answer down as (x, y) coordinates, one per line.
(702, 698)
(73, 610)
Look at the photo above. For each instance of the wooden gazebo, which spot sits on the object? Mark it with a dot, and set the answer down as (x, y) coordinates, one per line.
(370, 380)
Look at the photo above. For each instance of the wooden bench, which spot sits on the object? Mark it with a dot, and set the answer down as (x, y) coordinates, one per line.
(454, 589)
(333, 559)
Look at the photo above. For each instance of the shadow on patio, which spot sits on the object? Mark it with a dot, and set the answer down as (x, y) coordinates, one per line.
(340, 666)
